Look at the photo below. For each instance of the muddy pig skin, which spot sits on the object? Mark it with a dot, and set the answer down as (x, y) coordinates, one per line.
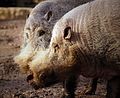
(38, 28)
(85, 41)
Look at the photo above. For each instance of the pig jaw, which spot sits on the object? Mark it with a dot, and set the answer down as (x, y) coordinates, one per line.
(49, 76)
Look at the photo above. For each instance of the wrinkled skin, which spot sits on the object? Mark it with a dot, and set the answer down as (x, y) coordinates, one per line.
(38, 27)
(68, 56)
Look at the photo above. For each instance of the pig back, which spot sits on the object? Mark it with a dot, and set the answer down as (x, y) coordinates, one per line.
(96, 27)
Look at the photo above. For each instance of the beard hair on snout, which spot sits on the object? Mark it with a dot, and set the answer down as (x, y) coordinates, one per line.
(62, 67)
(45, 58)
(24, 57)
(41, 64)
(38, 60)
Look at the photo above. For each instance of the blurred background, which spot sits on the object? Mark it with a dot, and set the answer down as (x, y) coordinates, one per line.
(16, 9)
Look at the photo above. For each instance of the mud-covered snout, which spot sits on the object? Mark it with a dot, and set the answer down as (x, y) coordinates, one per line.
(48, 77)
(30, 80)
(44, 79)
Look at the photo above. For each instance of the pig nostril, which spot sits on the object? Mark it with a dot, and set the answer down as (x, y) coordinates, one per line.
(30, 77)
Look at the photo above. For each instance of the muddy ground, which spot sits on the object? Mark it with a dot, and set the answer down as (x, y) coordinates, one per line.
(13, 84)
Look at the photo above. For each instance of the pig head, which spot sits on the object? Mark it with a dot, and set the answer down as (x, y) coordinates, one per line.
(38, 27)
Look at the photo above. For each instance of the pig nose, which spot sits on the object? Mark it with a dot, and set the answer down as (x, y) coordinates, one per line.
(29, 78)
(31, 82)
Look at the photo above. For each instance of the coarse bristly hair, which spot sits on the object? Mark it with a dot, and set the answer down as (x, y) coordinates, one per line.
(39, 25)
(62, 66)
(24, 57)
(68, 56)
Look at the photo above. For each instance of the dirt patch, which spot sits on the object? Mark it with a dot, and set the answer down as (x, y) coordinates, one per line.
(13, 84)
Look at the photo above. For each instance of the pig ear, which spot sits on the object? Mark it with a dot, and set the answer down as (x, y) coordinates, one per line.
(67, 33)
(48, 15)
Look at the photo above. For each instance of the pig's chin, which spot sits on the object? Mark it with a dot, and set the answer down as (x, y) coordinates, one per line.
(48, 83)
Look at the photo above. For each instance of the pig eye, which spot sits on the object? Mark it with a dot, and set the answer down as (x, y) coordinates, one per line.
(27, 35)
(41, 32)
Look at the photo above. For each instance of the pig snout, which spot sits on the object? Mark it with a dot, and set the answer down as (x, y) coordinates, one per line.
(32, 82)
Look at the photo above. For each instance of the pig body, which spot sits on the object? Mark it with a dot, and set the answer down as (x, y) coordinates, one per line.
(85, 41)
(38, 27)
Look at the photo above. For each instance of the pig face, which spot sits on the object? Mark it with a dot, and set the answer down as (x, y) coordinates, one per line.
(37, 35)
(56, 63)
(38, 31)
